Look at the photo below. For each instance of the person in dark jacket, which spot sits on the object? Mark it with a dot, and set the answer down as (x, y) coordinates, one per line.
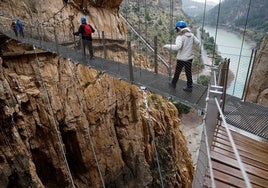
(86, 38)
(13, 27)
(19, 27)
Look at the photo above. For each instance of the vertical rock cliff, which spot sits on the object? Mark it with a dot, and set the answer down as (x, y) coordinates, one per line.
(62, 121)
(257, 90)
(63, 124)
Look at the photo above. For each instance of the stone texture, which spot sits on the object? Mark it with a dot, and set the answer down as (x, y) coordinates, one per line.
(257, 91)
(50, 104)
(57, 117)
(44, 16)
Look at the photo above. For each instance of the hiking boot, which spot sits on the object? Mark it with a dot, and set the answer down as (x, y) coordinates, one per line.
(170, 84)
(188, 89)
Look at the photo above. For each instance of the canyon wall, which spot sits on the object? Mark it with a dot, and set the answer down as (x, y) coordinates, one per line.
(257, 91)
(60, 119)
(67, 125)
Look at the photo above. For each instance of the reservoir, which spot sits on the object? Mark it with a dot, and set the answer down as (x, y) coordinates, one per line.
(230, 46)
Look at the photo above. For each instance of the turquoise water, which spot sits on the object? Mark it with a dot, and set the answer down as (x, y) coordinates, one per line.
(230, 47)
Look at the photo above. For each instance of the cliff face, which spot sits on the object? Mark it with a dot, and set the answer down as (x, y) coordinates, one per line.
(65, 17)
(64, 124)
(257, 91)
(49, 104)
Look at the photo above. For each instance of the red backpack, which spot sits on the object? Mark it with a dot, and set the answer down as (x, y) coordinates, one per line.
(87, 29)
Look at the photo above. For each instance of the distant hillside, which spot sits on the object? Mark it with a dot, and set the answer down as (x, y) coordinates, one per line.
(152, 18)
(233, 14)
(193, 8)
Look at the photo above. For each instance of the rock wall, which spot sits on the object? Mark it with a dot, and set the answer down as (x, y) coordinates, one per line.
(59, 117)
(65, 17)
(63, 124)
(257, 91)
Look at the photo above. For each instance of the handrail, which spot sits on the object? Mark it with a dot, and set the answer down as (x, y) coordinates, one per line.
(241, 166)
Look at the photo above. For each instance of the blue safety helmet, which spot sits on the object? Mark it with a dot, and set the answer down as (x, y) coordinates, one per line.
(83, 19)
(180, 24)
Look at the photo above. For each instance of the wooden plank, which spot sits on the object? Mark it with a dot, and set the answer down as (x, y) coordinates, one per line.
(245, 159)
(233, 163)
(249, 151)
(241, 133)
(255, 180)
(258, 146)
(243, 139)
(245, 149)
(229, 180)
(218, 184)
(253, 153)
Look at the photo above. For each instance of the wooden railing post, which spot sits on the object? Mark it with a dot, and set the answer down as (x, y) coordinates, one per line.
(104, 45)
(155, 55)
(130, 63)
(56, 40)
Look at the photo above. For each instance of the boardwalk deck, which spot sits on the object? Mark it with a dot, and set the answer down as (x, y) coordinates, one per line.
(253, 153)
(227, 174)
(157, 83)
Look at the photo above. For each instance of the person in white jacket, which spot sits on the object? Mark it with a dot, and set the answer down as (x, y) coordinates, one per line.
(184, 45)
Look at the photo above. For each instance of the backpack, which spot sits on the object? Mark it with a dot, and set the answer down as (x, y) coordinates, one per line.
(87, 29)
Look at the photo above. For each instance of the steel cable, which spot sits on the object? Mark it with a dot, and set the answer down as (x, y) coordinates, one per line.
(152, 134)
(54, 121)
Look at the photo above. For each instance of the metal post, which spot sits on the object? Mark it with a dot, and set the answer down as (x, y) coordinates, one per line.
(250, 67)
(104, 45)
(31, 30)
(82, 46)
(56, 40)
(225, 82)
(212, 110)
(130, 63)
(155, 55)
(39, 36)
(43, 34)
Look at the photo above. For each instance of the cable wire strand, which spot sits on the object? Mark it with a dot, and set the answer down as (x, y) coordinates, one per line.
(53, 119)
(241, 49)
(242, 168)
(74, 79)
(152, 134)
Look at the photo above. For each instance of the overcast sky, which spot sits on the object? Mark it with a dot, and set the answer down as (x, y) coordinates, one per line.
(209, 1)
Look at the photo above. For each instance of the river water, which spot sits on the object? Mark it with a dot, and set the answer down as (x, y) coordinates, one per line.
(230, 46)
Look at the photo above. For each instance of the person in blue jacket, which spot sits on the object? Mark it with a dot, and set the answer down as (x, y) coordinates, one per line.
(19, 27)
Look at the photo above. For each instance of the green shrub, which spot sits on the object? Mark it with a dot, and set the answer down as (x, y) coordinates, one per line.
(182, 108)
(203, 80)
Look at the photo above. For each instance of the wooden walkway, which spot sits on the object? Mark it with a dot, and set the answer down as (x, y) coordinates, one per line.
(254, 155)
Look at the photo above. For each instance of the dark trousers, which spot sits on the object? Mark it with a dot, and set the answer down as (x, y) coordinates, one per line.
(16, 32)
(188, 70)
(21, 33)
(88, 44)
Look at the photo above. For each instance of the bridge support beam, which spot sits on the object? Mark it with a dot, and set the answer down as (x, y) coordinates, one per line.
(131, 75)
(212, 110)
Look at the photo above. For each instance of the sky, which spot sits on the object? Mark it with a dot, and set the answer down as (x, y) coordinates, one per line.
(209, 1)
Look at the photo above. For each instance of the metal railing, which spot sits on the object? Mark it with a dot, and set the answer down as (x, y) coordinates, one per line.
(214, 114)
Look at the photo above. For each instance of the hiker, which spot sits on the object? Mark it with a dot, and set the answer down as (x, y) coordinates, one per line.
(184, 45)
(13, 27)
(19, 27)
(86, 30)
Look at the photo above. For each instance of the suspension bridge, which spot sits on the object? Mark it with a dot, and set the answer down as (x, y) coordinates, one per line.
(222, 151)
